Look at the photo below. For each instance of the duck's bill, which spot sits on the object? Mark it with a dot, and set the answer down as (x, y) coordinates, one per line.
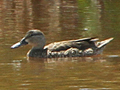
(21, 43)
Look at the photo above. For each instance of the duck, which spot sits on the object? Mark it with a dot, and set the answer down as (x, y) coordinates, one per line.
(69, 48)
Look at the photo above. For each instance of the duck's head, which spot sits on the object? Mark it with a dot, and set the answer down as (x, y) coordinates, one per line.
(33, 37)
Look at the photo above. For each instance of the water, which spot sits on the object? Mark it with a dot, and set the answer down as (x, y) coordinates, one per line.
(59, 20)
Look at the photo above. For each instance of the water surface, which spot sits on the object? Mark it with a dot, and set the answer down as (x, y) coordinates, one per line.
(59, 20)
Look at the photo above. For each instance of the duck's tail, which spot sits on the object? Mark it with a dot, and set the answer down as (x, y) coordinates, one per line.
(102, 44)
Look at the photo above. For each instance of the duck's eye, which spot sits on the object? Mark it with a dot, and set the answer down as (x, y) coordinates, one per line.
(31, 35)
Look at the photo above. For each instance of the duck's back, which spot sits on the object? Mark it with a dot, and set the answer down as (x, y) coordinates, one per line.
(71, 48)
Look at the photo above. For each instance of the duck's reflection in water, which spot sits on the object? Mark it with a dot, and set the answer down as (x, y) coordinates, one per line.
(67, 59)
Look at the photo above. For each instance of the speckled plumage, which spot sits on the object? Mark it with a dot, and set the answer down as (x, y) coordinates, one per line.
(69, 48)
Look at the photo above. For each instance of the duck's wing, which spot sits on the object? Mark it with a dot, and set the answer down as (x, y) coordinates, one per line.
(80, 44)
(79, 47)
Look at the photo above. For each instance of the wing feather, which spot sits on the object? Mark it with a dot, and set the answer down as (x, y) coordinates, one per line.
(65, 45)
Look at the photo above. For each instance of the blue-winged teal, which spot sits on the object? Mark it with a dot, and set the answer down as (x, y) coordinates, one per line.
(69, 48)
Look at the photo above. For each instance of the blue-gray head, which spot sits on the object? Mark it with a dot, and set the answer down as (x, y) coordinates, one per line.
(33, 37)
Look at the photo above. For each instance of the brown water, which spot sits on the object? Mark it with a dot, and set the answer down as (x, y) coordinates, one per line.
(59, 20)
